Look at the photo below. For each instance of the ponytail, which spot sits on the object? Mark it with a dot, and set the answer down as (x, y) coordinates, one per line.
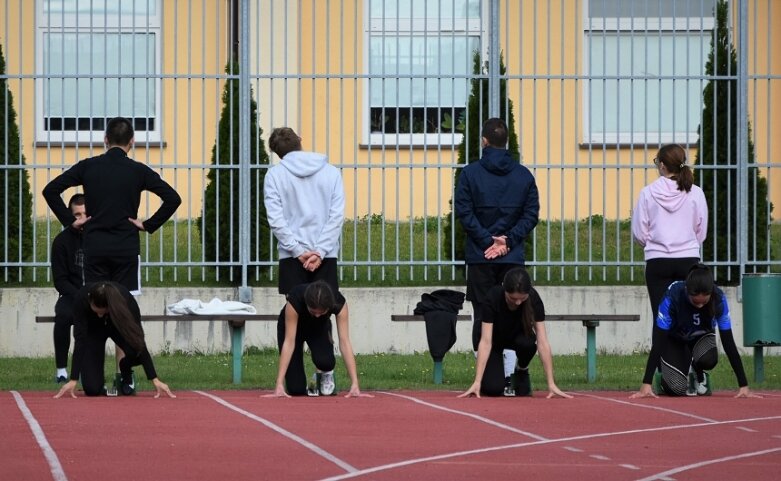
(673, 156)
(106, 295)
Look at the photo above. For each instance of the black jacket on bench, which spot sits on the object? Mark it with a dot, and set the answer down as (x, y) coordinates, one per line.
(440, 311)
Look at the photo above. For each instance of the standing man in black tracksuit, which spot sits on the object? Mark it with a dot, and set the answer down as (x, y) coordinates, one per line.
(67, 257)
(113, 184)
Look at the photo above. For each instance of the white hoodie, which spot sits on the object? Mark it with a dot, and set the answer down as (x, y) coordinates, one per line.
(669, 222)
(304, 198)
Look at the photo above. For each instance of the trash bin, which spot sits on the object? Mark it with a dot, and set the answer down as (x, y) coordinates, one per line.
(761, 316)
(761, 310)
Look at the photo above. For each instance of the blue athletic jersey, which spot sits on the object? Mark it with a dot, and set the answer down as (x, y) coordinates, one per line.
(681, 319)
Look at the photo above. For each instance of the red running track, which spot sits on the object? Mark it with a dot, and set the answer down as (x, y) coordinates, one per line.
(238, 435)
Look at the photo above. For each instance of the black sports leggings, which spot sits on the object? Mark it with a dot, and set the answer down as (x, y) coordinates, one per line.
(701, 354)
(63, 320)
(493, 377)
(93, 378)
(318, 338)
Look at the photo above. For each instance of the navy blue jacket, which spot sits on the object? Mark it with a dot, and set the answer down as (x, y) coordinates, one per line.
(496, 196)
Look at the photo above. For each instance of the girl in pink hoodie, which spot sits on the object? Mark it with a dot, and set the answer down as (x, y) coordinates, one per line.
(670, 221)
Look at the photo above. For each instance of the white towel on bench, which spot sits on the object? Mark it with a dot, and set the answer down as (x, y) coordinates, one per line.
(215, 306)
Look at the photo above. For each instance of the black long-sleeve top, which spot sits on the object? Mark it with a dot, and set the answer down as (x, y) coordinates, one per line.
(112, 184)
(88, 326)
(67, 258)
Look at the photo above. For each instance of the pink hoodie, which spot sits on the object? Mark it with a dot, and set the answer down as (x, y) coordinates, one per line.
(668, 222)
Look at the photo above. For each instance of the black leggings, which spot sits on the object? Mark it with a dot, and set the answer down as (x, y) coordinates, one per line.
(63, 320)
(93, 378)
(493, 377)
(660, 273)
(321, 345)
(701, 354)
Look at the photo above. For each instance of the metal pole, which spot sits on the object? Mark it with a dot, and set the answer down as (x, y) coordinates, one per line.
(743, 139)
(245, 294)
(493, 62)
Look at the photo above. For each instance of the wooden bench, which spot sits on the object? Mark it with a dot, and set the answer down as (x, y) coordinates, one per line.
(590, 322)
(235, 321)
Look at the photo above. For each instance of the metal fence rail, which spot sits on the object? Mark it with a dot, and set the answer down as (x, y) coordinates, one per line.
(382, 87)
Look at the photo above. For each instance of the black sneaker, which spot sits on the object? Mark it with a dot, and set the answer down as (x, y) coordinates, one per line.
(60, 379)
(523, 385)
(127, 384)
(509, 390)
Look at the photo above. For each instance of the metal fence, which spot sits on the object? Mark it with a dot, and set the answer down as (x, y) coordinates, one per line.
(383, 88)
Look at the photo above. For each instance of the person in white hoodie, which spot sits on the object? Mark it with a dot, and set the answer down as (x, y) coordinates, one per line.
(670, 221)
(304, 199)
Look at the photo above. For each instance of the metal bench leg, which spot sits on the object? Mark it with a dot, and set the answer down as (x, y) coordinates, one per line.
(591, 350)
(437, 372)
(237, 342)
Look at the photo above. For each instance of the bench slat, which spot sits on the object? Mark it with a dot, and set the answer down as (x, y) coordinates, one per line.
(191, 317)
(548, 317)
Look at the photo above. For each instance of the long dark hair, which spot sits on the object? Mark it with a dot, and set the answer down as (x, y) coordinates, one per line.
(699, 280)
(518, 281)
(319, 295)
(106, 295)
(673, 156)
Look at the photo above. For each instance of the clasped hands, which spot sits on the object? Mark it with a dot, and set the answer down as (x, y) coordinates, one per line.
(498, 248)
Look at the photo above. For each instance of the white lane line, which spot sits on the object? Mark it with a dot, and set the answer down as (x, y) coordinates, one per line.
(574, 450)
(599, 457)
(648, 406)
(630, 466)
(706, 463)
(294, 437)
(748, 430)
(467, 414)
(48, 452)
(409, 462)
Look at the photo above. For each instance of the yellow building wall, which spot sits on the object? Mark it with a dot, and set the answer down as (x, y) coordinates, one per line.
(326, 39)
(194, 41)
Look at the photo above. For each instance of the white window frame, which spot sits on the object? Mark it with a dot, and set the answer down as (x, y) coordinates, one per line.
(101, 23)
(433, 28)
(641, 27)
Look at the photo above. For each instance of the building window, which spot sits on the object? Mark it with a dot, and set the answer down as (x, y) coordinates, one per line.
(100, 59)
(419, 58)
(646, 60)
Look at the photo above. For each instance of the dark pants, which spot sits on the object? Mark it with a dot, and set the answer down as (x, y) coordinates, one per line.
(493, 377)
(93, 378)
(121, 269)
(318, 338)
(660, 273)
(63, 320)
(292, 274)
(701, 354)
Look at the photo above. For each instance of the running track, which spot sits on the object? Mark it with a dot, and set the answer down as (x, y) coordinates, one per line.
(237, 435)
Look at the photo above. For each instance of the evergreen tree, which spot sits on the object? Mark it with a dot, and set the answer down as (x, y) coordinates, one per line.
(471, 125)
(718, 147)
(221, 207)
(16, 239)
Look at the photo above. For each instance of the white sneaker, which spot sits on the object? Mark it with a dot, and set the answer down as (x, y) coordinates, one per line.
(327, 384)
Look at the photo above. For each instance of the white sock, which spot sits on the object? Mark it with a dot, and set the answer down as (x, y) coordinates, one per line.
(62, 372)
(510, 359)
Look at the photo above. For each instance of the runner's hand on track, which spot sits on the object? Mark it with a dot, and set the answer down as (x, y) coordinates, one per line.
(162, 388)
(67, 388)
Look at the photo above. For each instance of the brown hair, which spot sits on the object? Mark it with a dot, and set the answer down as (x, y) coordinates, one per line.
(106, 295)
(495, 132)
(518, 281)
(673, 156)
(284, 140)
